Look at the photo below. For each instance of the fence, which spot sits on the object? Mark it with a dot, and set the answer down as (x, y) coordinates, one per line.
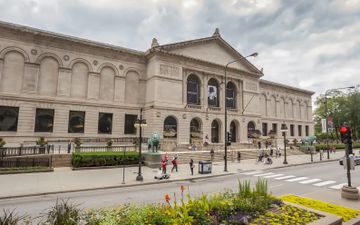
(28, 150)
(25, 162)
(105, 148)
(115, 140)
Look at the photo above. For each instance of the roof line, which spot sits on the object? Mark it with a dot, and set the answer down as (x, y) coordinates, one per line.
(37, 31)
(286, 86)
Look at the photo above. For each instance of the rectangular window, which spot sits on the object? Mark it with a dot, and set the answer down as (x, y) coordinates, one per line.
(264, 129)
(274, 127)
(299, 130)
(76, 122)
(105, 123)
(8, 118)
(307, 130)
(291, 129)
(192, 93)
(129, 124)
(44, 120)
(230, 98)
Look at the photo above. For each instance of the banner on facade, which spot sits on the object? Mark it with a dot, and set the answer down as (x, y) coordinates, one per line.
(323, 125)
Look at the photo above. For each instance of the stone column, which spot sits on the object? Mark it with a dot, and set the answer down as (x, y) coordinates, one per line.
(93, 86)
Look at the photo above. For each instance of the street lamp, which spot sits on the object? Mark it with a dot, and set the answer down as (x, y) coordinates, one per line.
(225, 130)
(284, 129)
(139, 123)
(326, 115)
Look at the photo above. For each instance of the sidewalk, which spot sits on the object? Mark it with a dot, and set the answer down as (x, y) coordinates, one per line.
(67, 180)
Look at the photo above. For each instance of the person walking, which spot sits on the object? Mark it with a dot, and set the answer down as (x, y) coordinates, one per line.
(69, 147)
(238, 156)
(192, 166)
(163, 166)
(212, 153)
(174, 162)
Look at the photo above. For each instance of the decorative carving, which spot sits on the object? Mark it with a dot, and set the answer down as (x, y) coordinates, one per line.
(33, 51)
(158, 114)
(171, 71)
(95, 62)
(154, 43)
(121, 67)
(66, 57)
(184, 116)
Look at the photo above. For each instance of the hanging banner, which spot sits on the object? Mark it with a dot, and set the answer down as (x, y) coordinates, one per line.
(323, 125)
(330, 124)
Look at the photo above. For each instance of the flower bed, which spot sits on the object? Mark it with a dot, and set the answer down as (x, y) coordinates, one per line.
(93, 159)
(344, 212)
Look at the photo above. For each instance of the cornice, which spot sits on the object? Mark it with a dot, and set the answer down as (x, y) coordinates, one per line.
(261, 81)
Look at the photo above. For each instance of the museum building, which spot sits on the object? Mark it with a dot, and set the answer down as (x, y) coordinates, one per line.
(61, 87)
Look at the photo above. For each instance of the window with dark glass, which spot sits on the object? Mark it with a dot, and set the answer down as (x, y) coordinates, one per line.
(129, 124)
(170, 127)
(76, 122)
(230, 95)
(274, 128)
(8, 118)
(299, 130)
(233, 131)
(264, 129)
(291, 129)
(193, 90)
(215, 132)
(306, 131)
(44, 120)
(105, 123)
(213, 93)
(250, 129)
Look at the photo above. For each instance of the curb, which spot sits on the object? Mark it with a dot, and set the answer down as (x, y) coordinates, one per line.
(301, 164)
(114, 186)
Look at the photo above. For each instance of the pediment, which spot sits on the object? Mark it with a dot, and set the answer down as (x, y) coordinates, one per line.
(212, 49)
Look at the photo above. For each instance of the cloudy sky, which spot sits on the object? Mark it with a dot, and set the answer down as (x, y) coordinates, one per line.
(305, 43)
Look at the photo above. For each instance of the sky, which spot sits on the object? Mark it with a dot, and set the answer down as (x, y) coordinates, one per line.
(314, 45)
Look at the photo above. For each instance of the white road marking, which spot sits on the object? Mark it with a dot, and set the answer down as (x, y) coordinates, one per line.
(252, 172)
(337, 187)
(324, 183)
(264, 174)
(297, 179)
(276, 175)
(283, 178)
(310, 181)
(276, 186)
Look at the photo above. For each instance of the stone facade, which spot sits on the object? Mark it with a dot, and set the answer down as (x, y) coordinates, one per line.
(44, 70)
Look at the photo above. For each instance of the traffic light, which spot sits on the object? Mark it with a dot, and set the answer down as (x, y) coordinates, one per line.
(346, 137)
(229, 138)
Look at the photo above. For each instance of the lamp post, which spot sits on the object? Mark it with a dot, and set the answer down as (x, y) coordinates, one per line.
(139, 123)
(326, 115)
(284, 129)
(225, 116)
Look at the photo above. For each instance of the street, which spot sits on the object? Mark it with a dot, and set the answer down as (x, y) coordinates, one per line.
(319, 180)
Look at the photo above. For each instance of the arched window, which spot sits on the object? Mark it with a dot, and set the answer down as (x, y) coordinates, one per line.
(233, 129)
(215, 132)
(170, 127)
(250, 128)
(195, 128)
(213, 93)
(79, 80)
(230, 95)
(193, 90)
(107, 83)
(48, 79)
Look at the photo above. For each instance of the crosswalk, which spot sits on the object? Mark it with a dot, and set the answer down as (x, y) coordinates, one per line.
(317, 182)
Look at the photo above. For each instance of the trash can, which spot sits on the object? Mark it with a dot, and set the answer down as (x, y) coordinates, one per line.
(205, 167)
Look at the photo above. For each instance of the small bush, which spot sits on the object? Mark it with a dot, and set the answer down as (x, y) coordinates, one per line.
(93, 159)
(63, 212)
(12, 218)
(41, 141)
(2, 142)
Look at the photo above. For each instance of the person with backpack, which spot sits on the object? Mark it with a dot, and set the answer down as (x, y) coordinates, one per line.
(192, 166)
(174, 162)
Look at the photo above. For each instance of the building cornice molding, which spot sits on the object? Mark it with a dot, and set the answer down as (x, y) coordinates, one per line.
(270, 83)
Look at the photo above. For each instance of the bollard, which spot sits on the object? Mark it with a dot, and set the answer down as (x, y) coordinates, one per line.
(320, 156)
(311, 154)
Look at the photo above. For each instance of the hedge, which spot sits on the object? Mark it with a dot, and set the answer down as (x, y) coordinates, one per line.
(94, 159)
(337, 146)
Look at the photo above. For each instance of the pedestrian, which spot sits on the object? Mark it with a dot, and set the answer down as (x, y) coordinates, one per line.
(174, 162)
(166, 157)
(192, 166)
(163, 166)
(266, 144)
(238, 156)
(206, 141)
(279, 152)
(212, 153)
(193, 147)
(271, 151)
(259, 144)
(69, 147)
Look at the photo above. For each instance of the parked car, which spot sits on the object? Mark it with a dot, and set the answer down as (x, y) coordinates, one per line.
(356, 160)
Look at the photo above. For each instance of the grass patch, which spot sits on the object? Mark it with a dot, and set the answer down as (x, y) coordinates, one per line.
(344, 212)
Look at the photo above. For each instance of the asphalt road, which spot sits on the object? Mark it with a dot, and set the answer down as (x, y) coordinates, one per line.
(321, 172)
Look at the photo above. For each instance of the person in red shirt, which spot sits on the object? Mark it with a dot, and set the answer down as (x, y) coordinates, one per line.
(163, 166)
(174, 162)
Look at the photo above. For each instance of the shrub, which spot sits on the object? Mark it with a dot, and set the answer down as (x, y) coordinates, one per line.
(109, 142)
(62, 213)
(344, 212)
(41, 141)
(2, 142)
(78, 143)
(12, 218)
(337, 146)
(91, 159)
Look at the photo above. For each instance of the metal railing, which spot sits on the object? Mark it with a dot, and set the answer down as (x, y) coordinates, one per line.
(105, 148)
(28, 150)
(25, 162)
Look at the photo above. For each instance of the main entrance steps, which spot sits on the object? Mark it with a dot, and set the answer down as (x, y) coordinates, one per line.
(185, 156)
